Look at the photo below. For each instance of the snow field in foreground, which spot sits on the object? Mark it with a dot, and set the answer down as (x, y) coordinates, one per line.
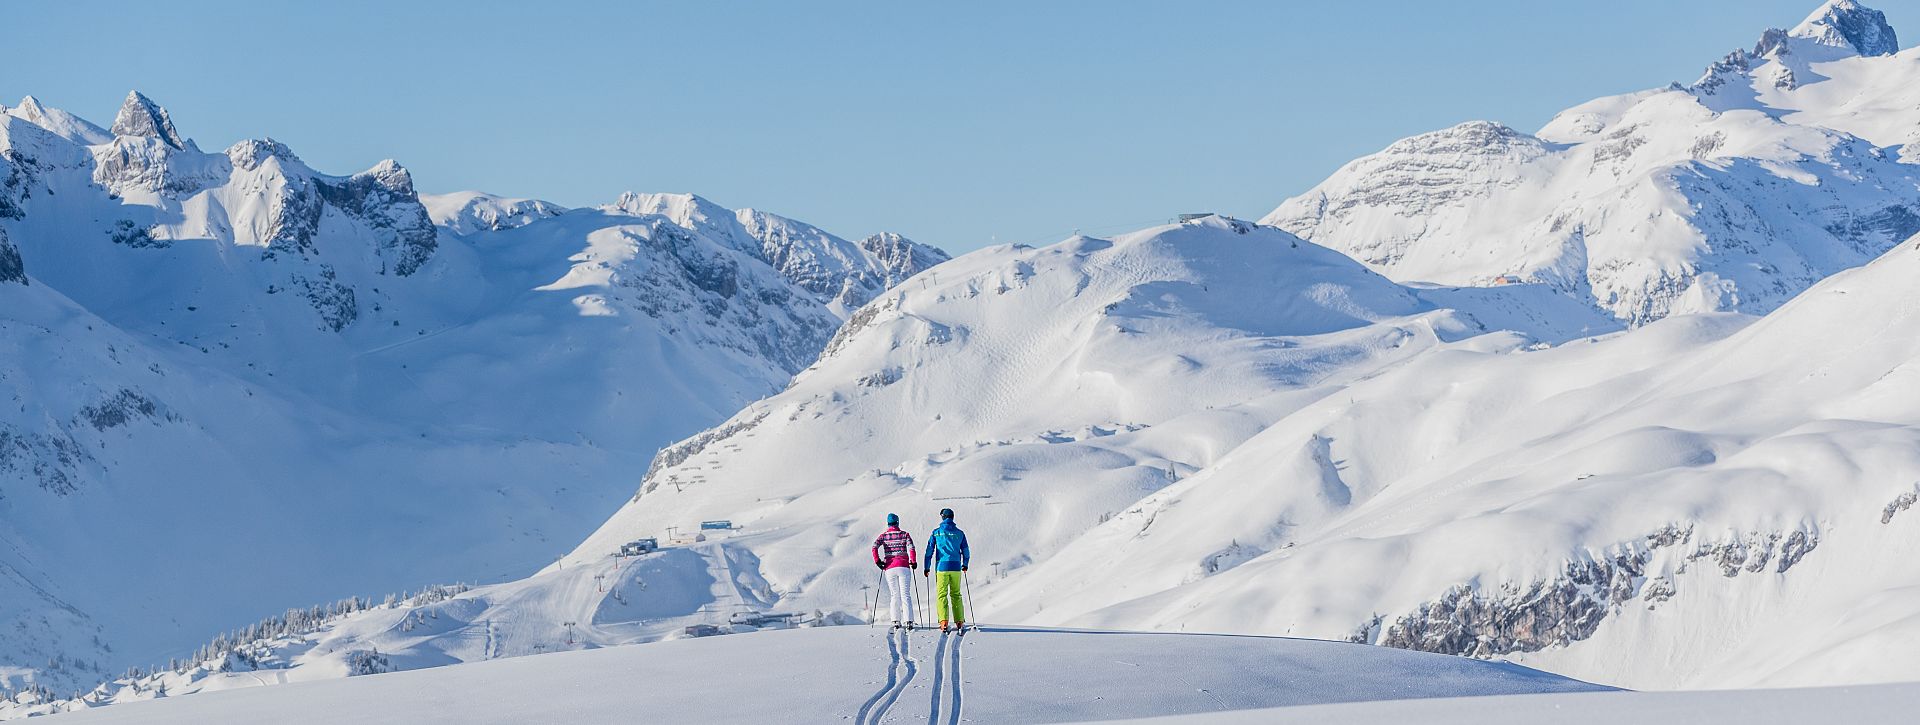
(835, 674)
(1866, 704)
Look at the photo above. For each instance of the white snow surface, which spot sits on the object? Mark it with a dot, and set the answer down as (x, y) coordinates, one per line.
(1778, 168)
(1860, 704)
(868, 675)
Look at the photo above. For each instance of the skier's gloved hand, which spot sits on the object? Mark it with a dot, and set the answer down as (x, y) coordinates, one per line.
(963, 567)
(924, 572)
(881, 564)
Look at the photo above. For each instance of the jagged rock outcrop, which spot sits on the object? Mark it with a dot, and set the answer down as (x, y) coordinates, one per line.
(140, 116)
(1526, 617)
(1850, 25)
(384, 199)
(12, 269)
(902, 257)
(835, 271)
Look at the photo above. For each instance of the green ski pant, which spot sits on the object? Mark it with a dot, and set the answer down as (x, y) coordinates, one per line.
(946, 595)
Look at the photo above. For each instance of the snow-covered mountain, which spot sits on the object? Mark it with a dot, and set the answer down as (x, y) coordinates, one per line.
(1541, 418)
(1780, 166)
(239, 384)
(1038, 390)
(1216, 426)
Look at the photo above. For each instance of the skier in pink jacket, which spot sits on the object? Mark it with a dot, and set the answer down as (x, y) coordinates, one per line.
(893, 553)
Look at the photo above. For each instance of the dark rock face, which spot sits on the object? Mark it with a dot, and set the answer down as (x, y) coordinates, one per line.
(337, 304)
(16, 186)
(49, 459)
(140, 116)
(1862, 27)
(129, 233)
(384, 199)
(12, 269)
(1736, 65)
(1520, 618)
(1771, 41)
(123, 408)
(1526, 617)
(901, 257)
(1879, 230)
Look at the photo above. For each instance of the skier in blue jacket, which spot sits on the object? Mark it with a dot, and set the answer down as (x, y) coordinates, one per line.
(947, 554)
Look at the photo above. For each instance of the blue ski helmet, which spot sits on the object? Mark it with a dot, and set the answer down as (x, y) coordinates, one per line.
(893, 519)
(946, 513)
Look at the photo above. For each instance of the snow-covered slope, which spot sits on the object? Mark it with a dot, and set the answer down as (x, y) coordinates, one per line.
(1658, 510)
(1218, 427)
(239, 384)
(870, 676)
(1038, 390)
(1776, 169)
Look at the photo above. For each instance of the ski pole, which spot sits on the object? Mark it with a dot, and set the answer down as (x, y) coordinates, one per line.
(970, 603)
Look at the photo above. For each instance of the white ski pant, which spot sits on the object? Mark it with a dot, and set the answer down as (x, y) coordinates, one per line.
(900, 584)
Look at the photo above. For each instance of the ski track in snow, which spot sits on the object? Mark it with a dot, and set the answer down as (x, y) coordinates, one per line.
(867, 714)
(946, 666)
(900, 658)
(958, 683)
(907, 662)
(939, 674)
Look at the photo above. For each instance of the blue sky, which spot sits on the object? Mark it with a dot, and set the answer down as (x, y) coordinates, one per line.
(954, 123)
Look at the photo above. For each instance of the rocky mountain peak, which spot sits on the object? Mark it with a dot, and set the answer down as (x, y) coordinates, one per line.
(900, 256)
(31, 110)
(140, 116)
(1848, 24)
(249, 154)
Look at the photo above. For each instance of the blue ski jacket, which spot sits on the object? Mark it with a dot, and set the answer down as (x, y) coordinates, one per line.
(946, 548)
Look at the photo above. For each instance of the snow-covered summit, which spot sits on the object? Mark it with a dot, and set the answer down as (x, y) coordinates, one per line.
(839, 273)
(1848, 24)
(1732, 193)
(62, 123)
(469, 212)
(140, 116)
